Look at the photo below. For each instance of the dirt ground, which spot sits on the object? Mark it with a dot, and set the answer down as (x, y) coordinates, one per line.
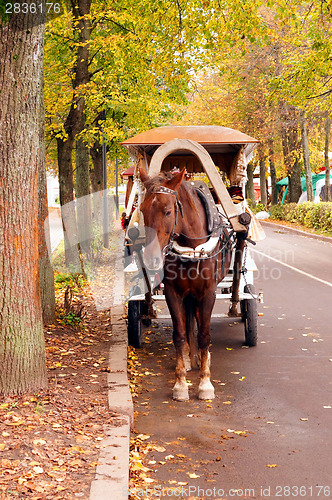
(50, 441)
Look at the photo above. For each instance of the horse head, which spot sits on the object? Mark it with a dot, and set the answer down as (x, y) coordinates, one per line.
(160, 209)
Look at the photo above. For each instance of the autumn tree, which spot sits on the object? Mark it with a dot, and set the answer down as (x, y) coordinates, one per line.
(22, 350)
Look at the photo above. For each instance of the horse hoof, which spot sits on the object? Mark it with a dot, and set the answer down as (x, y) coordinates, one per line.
(206, 391)
(180, 393)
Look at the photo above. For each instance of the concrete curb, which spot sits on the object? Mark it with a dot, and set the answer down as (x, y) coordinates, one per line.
(298, 231)
(112, 475)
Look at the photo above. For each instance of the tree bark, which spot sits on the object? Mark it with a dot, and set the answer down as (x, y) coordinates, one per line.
(262, 176)
(72, 126)
(46, 273)
(22, 348)
(273, 174)
(250, 184)
(326, 157)
(83, 206)
(306, 157)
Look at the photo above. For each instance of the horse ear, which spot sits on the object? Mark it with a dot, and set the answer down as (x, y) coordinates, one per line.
(143, 175)
(176, 179)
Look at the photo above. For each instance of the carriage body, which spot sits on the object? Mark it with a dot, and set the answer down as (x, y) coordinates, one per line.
(223, 146)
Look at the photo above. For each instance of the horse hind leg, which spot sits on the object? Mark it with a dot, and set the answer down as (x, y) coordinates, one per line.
(186, 356)
(191, 331)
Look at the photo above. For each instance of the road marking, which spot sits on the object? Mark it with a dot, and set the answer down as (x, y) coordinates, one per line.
(328, 283)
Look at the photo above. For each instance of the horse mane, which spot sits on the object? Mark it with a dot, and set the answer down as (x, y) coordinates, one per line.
(153, 184)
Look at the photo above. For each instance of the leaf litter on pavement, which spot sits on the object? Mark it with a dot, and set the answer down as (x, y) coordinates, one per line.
(147, 454)
(50, 441)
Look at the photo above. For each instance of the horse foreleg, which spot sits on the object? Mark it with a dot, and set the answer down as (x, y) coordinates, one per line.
(177, 310)
(205, 388)
(180, 389)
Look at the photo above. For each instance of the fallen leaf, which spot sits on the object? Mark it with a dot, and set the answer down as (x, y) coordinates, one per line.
(192, 475)
(40, 441)
(271, 466)
(143, 437)
(38, 470)
(161, 449)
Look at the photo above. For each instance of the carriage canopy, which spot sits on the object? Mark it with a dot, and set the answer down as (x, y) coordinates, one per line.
(221, 143)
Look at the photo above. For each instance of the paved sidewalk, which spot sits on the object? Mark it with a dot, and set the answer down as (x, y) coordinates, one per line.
(112, 475)
(266, 223)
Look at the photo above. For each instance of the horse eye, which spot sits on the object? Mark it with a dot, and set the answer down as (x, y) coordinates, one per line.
(168, 213)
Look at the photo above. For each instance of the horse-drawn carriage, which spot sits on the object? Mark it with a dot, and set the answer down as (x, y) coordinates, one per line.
(188, 240)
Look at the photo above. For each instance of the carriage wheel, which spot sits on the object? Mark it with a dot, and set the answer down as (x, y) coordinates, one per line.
(249, 316)
(134, 327)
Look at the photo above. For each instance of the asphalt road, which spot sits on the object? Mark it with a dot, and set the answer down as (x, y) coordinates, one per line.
(268, 433)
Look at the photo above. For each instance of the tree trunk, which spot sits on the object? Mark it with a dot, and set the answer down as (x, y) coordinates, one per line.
(250, 184)
(22, 348)
(290, 147)
(46, 274)
(83, 206)
(306, 157)
(72, 126)
(326, 157)
(273, 174)
(96, 175)
(294, 168)
(262, 176)
(68, 214)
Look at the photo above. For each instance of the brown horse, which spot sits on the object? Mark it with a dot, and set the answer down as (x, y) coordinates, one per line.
(174, 215)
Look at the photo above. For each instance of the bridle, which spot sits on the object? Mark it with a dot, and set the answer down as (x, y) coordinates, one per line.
(177, 208)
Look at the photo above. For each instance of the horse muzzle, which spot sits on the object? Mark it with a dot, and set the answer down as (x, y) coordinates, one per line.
(152, 256)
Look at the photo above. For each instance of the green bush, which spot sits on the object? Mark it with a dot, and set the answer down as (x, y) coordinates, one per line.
(316, 216)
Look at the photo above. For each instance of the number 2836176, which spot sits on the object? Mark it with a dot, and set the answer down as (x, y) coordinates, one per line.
(33, 8)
